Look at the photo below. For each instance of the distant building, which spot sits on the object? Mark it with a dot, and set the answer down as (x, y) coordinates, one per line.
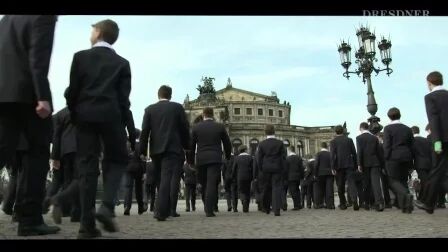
(246, 113)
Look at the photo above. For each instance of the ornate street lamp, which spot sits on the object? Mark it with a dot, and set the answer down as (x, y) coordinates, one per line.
(365, 57)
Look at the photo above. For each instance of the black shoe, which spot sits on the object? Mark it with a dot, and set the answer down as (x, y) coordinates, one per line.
(423, 206)
(342, 207)
(42, 229)
(175, 214)
(194, 208)
(229, 209)
(296, 208)
(245, 210)
(379, 208)
(210, 215)
(349, 204)
(441, 205)
(158, 218)
(104, 216)
(355, 206)
(277, 214)
(143, 209)
(235, 210)
(187, 210)
(308, 206)
(127, 212)
(89, 234)
(331, 207)
(267, 211)
(56, 214)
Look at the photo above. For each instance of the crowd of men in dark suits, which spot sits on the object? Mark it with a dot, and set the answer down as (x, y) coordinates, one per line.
(96, 131)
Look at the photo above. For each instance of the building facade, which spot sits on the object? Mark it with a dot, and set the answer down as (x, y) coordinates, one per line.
(246, 113)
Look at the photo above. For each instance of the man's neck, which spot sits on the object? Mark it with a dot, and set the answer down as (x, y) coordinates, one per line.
(208, 118)
(270, 136)
(163, 99)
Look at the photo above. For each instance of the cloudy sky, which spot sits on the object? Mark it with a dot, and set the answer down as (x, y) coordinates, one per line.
(295, 56)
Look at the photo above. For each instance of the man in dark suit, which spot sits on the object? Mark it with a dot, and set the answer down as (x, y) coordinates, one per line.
(258, 185)
(230, 185)
(398, 142)
(166, 127)
(295, 174)
(369, 163)
(325, 176)
(134, 175)
(208, 136)
(98, 100)
(63, 155)
(436, 103)
(384, 177)
(307, 184)
(422, 155)
(25, 106)
(151, 184)
(343, 161)
(190, 180)
(242, 172)
(271, 159)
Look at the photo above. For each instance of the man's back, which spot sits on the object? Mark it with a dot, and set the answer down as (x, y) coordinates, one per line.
(398, 141)
(422, 153)
(100, 84)
(343, 152)
(271, 155)
(368, 150)
(295, 167)
(166, 125)
(25, 49)
(437, 112)
(322, 163)
(64, 138)
(208, 136)
(243, 167)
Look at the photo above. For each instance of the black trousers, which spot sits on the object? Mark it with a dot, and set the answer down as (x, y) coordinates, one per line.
(190, 195)
(372, 185)
(284, 194)
(211, 174)
(151, 195)
(57, 181)
(167, 165)
(399, 182)
(343, 176)
(307, 194)
(272, 191)
(231, 189)
(294, 191)
(385, 187)
(436, 178)
(89, 137)
(134, 178)
(15, 119)
(70, 193)
(174, 191)
(244, 192)
(326, 190)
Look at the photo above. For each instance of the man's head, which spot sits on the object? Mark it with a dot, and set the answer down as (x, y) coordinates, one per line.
(207, 112)
(269, 130)
(165, 92)
(363, 126)
(434, 79)
(415, 130)
(428, 129)
(339, 129)
(105, 30)
(394, 114)
(242, 148)
(324, 145)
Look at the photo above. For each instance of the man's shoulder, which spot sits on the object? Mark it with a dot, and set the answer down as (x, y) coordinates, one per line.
(438, 93)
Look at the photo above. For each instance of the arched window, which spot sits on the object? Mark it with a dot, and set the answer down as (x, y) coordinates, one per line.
(253, 146)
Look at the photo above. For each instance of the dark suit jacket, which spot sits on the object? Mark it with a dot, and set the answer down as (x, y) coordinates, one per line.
(64, 135)
(26, 43)
(242, 167)
(208, 136)
(100, 84)
(343, 153)
(369, 153)
(271, 156)
(190, 176)
(150, 174)
(322, 164)
(437, 111)
(422, 153)
(135, 164)
(165, 125)
(295, 167)
(398, 142)
(227, 168)
(130, 127)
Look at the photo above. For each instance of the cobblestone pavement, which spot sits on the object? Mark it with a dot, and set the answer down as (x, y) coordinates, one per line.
(306, 223)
